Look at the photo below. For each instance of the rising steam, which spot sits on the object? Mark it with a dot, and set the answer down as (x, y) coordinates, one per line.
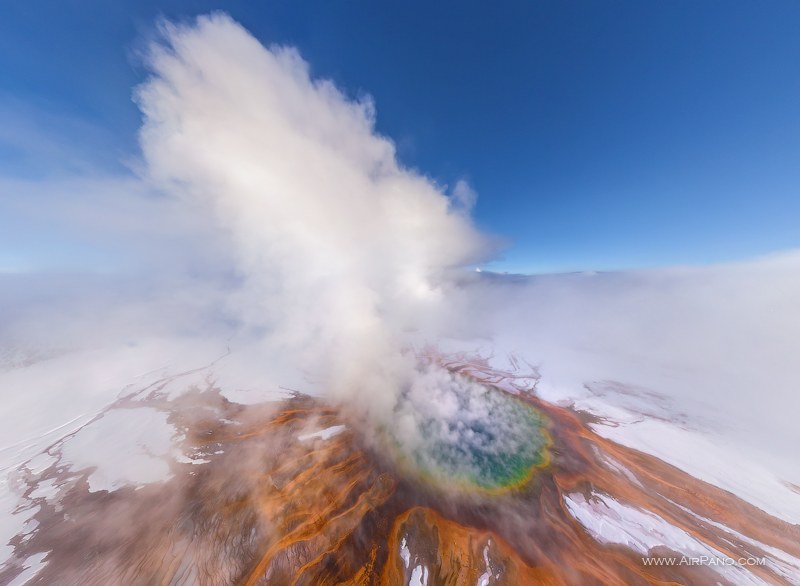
(337, 245)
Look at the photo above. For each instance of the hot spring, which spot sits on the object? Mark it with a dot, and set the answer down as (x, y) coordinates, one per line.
(456, 432)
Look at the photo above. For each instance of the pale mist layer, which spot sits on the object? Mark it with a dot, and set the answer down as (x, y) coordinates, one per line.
(279, 243)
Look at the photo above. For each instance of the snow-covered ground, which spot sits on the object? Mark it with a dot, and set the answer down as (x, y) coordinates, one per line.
(695, 366)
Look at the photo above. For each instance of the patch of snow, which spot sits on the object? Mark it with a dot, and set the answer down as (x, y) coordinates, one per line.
(323, 434)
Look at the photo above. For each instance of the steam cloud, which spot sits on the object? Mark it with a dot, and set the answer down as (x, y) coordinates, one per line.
(337, 246)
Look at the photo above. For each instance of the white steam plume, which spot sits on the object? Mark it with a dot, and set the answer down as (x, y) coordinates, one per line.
(336, 243)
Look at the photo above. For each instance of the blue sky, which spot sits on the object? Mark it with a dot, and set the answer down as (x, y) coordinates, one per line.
(598, 134)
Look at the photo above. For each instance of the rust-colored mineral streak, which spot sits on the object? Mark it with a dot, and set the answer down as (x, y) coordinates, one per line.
(271, 508)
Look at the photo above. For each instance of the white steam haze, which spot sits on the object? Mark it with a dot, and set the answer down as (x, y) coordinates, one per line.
(268, 216)
(335, 242)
